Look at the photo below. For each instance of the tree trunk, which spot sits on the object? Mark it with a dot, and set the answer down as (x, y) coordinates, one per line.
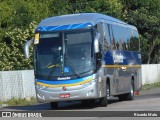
(151, 50)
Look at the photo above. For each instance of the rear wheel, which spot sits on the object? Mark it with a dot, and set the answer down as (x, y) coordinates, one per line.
(104, 100)
(54, 105)
(128, 96)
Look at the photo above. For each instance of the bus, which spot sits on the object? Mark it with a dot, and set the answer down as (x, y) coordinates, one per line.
(87, 57)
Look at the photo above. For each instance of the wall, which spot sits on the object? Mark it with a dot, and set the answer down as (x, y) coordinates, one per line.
(150, 73)
(18, 84)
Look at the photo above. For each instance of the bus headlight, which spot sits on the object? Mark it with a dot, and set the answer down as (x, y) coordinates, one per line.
(87, 84)
(40, 86)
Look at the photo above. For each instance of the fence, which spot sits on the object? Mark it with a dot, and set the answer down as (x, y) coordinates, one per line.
(20, 84)
(150, 73)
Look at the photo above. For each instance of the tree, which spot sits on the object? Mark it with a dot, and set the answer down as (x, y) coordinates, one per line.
(11, 49)
(16, 24)
(108, 7)
(145, 15)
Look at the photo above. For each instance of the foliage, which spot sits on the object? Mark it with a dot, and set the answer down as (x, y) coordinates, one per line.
(108, 7)
(145, 15)
(11, 48)
(152, 85)
(19, 102)
(17, 23)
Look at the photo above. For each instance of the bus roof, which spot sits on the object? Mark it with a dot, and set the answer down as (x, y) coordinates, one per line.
(75, 20)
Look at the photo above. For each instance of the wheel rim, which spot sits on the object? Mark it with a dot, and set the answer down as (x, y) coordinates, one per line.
(132, 91)
(107, 92)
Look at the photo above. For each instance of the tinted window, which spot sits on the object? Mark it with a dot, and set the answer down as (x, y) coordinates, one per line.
(120, 36)
(106, 41)
(112, 38)
(134, 42)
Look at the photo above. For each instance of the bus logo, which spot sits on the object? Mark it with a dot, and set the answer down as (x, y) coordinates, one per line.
(117, 58)
(64, 88)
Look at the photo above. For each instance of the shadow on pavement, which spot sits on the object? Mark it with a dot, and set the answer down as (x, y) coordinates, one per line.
(73, 105)
(151, 95)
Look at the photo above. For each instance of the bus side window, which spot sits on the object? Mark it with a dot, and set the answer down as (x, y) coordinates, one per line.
(112, 38)
(106, 40)
(125, 38)
(120, 44)
(134, 42)
(120, 37)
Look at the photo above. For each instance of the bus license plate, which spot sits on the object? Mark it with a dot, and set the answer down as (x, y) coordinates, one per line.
(67, 95)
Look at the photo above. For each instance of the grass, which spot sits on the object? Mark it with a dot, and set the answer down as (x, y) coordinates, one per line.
(152, 85)
(18, 102)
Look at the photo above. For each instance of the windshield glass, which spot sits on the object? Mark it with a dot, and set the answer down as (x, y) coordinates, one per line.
(79, 53)
(49, 54)
(64, 54)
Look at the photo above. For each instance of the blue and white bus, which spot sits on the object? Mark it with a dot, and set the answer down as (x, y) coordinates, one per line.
(87, 57)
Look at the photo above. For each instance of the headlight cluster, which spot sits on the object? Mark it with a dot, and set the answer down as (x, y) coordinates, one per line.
(40, 86)
(88, 83)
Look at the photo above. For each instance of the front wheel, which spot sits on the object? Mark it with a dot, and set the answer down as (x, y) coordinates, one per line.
(89, 102)
(54, 105)
(104, 100)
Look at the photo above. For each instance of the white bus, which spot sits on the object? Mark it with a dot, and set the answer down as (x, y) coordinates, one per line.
(86, 56)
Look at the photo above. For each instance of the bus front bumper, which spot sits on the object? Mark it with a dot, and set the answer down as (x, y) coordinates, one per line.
(67, 94)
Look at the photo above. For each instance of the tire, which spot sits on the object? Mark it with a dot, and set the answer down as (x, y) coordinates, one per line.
(122, 97)
(128, 96)
(104, 100)
(90, 102)
(54, 105)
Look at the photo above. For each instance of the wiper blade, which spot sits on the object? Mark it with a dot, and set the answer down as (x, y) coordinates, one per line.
(53, 65)
(72, 66)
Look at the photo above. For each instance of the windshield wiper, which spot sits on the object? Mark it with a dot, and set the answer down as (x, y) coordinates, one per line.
(53, 65)
(72, 66)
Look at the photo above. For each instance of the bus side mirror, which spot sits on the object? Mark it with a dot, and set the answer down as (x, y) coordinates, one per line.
(26, 47)
(96, 43)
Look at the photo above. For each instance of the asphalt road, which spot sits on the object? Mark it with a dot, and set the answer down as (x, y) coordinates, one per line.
(148, 100)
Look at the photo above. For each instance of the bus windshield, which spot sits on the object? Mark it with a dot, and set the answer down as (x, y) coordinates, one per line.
(64, 54)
